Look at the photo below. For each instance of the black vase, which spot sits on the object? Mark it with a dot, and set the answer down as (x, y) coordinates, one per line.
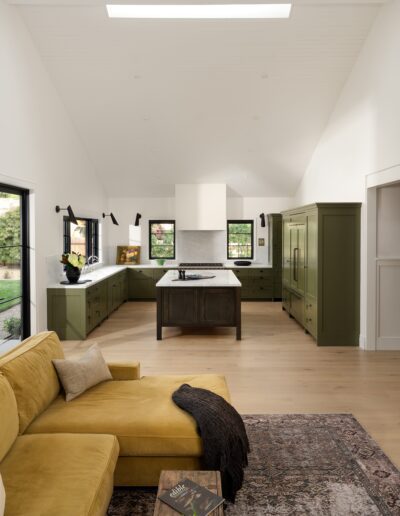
(73, 274)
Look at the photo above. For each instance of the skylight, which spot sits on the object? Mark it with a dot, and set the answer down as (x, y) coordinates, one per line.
(200, 11)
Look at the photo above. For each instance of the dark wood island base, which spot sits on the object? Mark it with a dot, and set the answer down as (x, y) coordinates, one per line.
(199, 307)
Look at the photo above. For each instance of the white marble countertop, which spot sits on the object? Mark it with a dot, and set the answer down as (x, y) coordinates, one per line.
(95, 276)
(105, 271)
(227, 265)
(222, 278)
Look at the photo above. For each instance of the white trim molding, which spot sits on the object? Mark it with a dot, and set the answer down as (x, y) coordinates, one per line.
(375, 338)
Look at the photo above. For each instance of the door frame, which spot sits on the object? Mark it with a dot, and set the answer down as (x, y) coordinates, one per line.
(374, 181)
(25, 257)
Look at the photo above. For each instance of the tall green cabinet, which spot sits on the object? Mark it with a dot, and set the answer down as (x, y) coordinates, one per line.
(321, 271)
(275, 252)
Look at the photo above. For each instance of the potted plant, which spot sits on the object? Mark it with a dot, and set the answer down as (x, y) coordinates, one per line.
(74, 263)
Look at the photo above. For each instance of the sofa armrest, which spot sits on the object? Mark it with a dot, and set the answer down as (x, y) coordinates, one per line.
(124, 370)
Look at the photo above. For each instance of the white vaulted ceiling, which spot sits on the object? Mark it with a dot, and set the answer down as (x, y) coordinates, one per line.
(159, 102)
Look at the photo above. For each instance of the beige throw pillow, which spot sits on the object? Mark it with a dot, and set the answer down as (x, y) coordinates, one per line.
(78, 375)
(2, 497)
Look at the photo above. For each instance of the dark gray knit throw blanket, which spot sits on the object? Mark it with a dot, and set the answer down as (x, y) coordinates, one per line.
(225, 442)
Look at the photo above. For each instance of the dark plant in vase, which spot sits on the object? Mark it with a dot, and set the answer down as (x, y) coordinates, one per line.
(74, 263)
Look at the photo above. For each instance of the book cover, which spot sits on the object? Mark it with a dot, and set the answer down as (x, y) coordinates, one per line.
(190, 499)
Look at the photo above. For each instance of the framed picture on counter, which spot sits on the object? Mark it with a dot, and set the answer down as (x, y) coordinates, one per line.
(128, 255)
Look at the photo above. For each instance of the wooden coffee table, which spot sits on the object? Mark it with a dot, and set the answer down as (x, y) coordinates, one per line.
(168, 479)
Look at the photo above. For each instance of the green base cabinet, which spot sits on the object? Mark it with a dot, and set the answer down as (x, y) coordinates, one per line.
(74, 312)
(257, 283)
(321, 271)
(142, 283)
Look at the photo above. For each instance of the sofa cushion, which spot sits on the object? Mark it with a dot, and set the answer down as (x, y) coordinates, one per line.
(60, 474)
(140, 413)
(8, 417)
(32, 375)
(77, 375)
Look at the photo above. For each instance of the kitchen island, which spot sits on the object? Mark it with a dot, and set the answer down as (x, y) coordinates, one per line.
(202, 303)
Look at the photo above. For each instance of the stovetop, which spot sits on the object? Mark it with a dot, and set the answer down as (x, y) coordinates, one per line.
(202, 265)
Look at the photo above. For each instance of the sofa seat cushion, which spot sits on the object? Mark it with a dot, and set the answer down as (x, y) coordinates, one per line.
(59, 474)
(140, 413)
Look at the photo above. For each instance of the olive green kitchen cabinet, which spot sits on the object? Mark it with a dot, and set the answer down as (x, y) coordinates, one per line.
(257, 283)
(117, 290)
(275, 252)
(321, 271)
(73, 312)
(142, 283)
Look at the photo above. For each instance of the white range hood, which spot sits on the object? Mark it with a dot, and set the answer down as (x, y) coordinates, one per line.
(200, 207)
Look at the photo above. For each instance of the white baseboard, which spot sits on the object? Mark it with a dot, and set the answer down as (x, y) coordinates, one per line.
(388, 344)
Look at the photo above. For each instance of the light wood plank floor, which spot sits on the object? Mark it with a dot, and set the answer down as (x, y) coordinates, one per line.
(276, 368)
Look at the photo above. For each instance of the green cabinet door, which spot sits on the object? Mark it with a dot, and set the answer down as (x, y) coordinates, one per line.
(297, 257)
(286, 247)
(311, 262)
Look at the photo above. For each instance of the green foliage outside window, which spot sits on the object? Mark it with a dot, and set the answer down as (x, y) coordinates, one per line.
(162, 239)
(240, 239)
(10, 235)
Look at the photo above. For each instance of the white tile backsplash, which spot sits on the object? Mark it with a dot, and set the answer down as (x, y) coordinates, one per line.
(201, 246)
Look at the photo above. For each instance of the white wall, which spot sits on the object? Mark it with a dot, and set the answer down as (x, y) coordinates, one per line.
(363, 133)
(39, 149)
(191, 245)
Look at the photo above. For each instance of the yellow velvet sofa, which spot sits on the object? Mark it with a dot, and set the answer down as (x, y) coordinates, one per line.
(65, 455)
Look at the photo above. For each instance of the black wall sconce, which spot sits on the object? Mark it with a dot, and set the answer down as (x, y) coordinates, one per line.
(71, 215)
(262, 217)
(114, 220)
(137, 219)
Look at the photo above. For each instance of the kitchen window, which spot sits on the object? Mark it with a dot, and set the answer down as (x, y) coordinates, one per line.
(81, 238)
(240, 237)
(162, 239)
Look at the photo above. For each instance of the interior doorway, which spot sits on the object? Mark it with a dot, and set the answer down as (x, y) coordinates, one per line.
(383, 261)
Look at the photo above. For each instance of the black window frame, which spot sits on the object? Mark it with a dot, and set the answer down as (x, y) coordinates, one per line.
(92, 235)
(162, 221)
(25, 257)
(240, 221)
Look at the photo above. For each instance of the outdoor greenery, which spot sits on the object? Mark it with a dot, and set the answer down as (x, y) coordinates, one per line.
(162, 240)
(12, 326)
(10, 235)
(8, 290)
(240, 244)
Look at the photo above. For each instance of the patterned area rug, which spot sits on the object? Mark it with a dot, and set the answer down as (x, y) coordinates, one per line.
(314, 465)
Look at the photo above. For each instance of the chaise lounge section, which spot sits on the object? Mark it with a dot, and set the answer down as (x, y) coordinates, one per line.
(130, 415)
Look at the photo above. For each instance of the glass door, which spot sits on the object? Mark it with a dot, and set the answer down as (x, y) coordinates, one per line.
(14, 265)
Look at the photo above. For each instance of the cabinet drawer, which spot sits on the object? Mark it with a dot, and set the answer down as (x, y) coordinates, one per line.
(241, 273)
(257, 292)
(310, 316)
(286, 299)
(141, 273)
(261, 282)
(297, 307)
(159, 273)
(260, 273)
